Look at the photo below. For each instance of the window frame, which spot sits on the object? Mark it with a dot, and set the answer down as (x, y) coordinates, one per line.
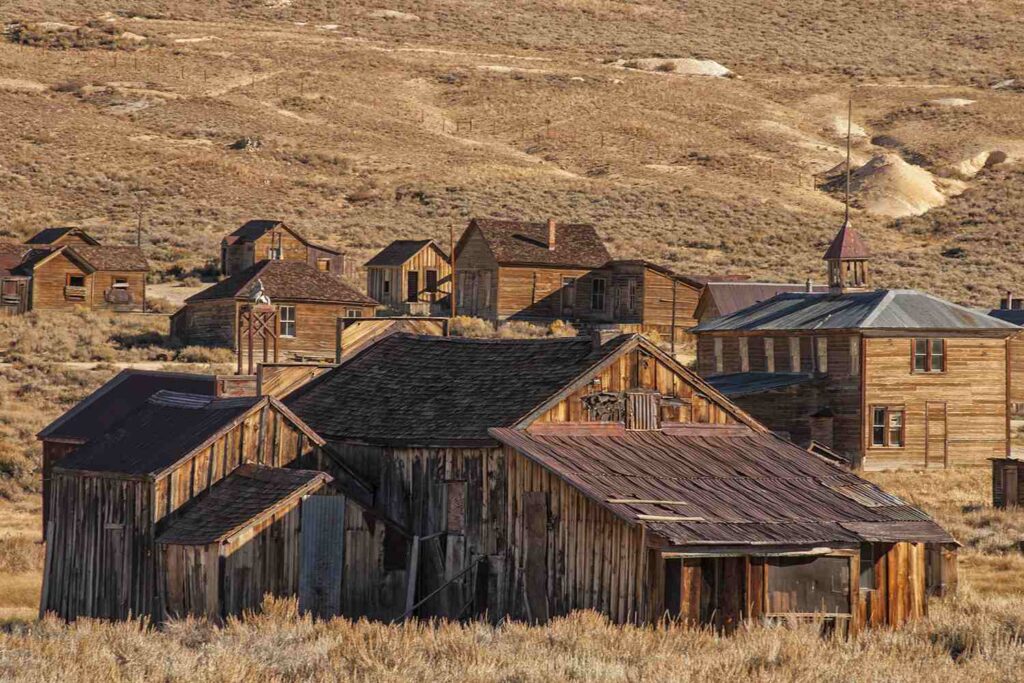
(323, 265)
(719, 354)
(603, 294)
(68, 277)
(275, 253)
(428, 286)
(887, 412)
(120, 283)
(353, 313)
(769, 354)
(929, 355)
(283, 322)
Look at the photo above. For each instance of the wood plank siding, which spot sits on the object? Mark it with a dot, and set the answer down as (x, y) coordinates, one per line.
(52, 287)
(390, 284)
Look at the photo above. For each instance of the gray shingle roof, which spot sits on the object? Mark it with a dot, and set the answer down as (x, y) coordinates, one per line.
(240, 499)
(882, 309)
(168, 427)
(728, 484)
(426, 390)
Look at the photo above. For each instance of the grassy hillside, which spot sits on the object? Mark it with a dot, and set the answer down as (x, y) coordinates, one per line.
(378, 120)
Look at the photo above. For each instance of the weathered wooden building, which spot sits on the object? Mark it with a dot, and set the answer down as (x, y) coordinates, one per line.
(111, 498)
(541, 476)
(535, 271)
(98, 277)
(238, 543)
(644, 297)
(1011, 310)
(269, 240)
(307, 302)
(411, 276)
(100, 411)
(888, 377)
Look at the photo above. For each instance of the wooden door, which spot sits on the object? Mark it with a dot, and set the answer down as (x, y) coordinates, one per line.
(535, 579)
(412, 286)
(936, 451)
(321, 555)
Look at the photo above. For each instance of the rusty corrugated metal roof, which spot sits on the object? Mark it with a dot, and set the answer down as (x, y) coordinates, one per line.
(723, 485)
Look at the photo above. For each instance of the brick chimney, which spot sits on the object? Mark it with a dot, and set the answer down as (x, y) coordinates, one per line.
(552, 229)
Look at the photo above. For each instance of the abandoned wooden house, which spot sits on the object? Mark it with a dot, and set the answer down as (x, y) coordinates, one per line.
(643, 297)
(887, 377)
(55, 237)
(110, 498)
(269, 240)
(98, 277)
(304, 306)
(725, 298)
(541, 476)
(518, 270)
(97, 413)
(412, 277)
(1011, 310)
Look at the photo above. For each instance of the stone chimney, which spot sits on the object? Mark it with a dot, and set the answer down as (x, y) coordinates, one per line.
(552, 229)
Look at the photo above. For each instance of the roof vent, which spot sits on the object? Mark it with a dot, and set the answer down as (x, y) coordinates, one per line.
(552, 229)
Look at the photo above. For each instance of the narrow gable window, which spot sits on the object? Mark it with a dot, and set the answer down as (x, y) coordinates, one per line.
(769, 354)
(929, 355)
(744, 355)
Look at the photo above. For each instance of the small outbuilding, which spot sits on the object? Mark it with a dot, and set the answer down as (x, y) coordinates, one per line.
(237, 543)
(411, 276)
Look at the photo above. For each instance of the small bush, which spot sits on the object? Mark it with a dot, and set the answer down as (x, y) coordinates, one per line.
(204, 354)
(466, 326)
(666, 67)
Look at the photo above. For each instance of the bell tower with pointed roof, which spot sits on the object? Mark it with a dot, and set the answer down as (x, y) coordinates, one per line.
(847, 259)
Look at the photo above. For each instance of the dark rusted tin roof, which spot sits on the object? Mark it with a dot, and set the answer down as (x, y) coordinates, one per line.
(243, 498)
(848, 244)
(745, 383)
(724, 485)
(285, 281)
(521, 242)
(126, 392)
(428, 390)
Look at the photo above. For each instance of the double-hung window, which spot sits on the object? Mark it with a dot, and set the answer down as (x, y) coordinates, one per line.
(597, 293)
(888, 427)
(287, 320)
(929, 355)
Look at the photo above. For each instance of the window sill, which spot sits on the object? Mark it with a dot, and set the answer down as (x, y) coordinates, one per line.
(286, 336)
(885, 448)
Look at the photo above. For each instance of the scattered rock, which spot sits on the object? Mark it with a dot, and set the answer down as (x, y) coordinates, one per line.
(391, 14)
(246, 144)
(973, 165)
(951, 102)
(681, 66)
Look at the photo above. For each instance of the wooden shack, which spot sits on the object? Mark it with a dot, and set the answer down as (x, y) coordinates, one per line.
(909, 380)
(110, 498)
(1011, 310)
(307, 303)
(271, 240)
(236, 544)
(1007, 482)
(644, 297)
(507, 269)
(100, 411)
(70, 276)
(506, 523)
(411, 276)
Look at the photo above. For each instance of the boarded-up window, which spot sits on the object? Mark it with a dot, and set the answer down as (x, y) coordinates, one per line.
(821, 355)
(794, 354)
(744, 355)
(769, 354)
(808, 585)
(719, 357)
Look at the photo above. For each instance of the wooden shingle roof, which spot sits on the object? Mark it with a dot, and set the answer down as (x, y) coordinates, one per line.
(286, 281)
(521, 242)
(721, 485)
(426, 390)
(398, 252)
(125, 393)
(52, 235)
(107, 258)
(252, 230)
(248, 495)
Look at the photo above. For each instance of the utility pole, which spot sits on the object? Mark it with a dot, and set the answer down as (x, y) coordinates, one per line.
(138, 225)
(849, 129)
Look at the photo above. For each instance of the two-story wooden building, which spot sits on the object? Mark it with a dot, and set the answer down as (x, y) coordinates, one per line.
(71, 275)
(271, 240)
(411, 276)
(888, 377)
(307, 303)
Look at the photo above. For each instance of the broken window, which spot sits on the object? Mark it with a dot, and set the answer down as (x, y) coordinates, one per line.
(808, 585)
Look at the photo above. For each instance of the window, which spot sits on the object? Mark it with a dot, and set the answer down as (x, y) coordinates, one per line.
(719, 359)
(769, 354)
(929, 355)
(75, 280)
(387, 281)
(631, 295)
(802, 585)
(287, 318)
(794, 354)
(854, 356)
(821, 357)
(412, 288)
(887, 427)
(867, 566)
(353, 313)
(274, 254)
(120, 283)
(744, 355)
(323, 265)
(597, 292)
(431, 283)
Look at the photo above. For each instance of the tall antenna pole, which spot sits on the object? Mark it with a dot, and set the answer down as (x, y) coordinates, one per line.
(138, 226)
(849, 128)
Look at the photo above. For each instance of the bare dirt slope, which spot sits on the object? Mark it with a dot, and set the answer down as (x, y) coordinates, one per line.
(382, 119)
